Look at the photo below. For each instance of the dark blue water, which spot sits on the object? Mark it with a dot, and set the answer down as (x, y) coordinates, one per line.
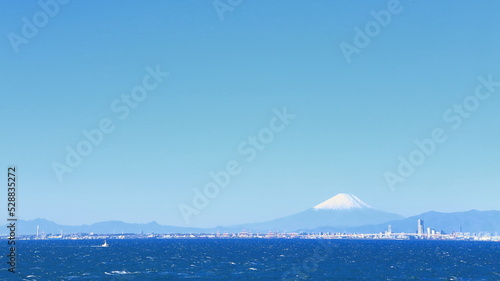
(255, 260)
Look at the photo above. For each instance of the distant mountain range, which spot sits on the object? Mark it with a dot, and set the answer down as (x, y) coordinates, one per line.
(28, 227)
(471, 221)
(344, 213)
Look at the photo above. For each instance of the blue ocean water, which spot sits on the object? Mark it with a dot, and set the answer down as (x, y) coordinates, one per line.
(277, 259)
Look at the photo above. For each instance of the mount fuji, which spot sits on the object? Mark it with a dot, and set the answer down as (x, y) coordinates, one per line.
(342, 201)
(341, 211)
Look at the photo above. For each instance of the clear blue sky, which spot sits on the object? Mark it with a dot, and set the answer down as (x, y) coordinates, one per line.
(352, 120)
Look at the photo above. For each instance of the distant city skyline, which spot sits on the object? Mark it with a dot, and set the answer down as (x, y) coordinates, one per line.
(130, 111)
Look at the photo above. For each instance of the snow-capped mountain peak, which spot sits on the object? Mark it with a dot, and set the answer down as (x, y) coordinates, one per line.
(342, 201)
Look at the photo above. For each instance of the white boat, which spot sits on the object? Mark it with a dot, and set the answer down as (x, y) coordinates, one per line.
(105, 244)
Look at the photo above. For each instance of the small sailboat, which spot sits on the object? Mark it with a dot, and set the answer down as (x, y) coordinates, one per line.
(105, 245)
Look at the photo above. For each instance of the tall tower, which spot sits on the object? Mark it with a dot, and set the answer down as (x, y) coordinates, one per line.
(420, 229)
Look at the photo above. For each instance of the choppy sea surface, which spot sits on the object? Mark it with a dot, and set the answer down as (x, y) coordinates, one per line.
(276, 259)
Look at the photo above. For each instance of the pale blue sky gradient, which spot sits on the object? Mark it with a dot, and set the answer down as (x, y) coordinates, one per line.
(353, 120)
